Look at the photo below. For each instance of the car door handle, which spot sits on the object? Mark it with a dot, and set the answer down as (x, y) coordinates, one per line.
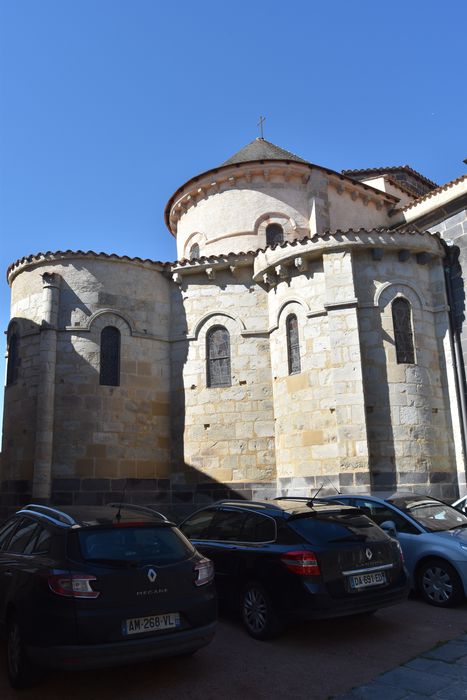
(8, 573)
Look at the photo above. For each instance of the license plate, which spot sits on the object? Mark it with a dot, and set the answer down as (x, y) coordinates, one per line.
(150, 623)
(365, 580)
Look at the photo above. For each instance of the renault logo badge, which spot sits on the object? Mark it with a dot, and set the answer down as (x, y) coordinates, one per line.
(152, 575)
(368, 553)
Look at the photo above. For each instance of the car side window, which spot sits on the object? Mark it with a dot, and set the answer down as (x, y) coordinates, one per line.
(227, 526)
(379, 513)
(21, 537)
(39, 542)
(197, 527)
(6, 530)
(258, 528)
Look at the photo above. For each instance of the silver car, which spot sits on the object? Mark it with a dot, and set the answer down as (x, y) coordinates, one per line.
(433, 537)
(461, 504)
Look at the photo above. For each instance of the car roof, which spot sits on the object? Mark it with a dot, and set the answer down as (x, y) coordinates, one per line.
(92, 516)
(386, 496)
(286, 507)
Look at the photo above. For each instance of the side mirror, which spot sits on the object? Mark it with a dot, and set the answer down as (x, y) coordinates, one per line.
(389, 527)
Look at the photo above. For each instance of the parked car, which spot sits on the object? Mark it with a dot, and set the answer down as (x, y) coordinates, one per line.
(461, 504)
(283, 560)
(433, 537)
(85, 587)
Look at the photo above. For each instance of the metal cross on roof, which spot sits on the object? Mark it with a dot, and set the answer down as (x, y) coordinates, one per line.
(260, 124)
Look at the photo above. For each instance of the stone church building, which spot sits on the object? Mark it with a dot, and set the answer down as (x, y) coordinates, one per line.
(310, 335)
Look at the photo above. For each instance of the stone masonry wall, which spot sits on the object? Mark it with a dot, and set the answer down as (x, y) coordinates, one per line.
(224, 433)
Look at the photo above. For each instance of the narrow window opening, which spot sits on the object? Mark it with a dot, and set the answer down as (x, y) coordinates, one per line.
(13, 359)
(218, 357)
(110, 357)
(194, 251)
(293, 344)
(403, 332)
(274, 234)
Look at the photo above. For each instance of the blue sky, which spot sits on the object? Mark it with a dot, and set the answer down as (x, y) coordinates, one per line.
(107, 106)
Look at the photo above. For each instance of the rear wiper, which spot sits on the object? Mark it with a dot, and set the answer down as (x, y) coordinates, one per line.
(125, 563)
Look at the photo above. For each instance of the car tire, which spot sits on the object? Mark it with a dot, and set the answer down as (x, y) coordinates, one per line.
(439, 584)
(258, 613)
(19, 667)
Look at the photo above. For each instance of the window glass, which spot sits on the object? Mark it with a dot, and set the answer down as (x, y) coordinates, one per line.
(197, 526)
(258, 528)
(337, 527)
(431, 514)
(13, 359)
(21, 537)
(403, 333)
(227, 526)
(293, 344)
(194, 251)
(218, 357)
(274, 234)
(110, 357)
(39, 541)
(380, 513)
(6, 530)
(156, 544)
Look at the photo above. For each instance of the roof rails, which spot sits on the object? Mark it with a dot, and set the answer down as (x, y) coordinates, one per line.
(138, 509)
(50, 513)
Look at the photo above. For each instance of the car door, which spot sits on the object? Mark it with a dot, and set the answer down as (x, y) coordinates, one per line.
(407, 533)
(216, 533)
(6, 573)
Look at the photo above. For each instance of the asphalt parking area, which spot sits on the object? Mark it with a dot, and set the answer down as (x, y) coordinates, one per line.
(314, 661)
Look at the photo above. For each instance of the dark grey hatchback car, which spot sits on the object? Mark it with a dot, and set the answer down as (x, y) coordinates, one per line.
(284, 560)
(85, 587)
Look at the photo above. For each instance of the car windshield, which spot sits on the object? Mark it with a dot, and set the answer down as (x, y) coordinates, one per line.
(160, 545)
(432, 515)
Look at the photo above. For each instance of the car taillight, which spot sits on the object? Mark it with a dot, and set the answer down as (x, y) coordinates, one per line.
(204, 572)
(302, 563)
(74, 586)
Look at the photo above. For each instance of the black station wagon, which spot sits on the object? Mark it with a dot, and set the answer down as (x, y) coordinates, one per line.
(84, 587)
(283, 560)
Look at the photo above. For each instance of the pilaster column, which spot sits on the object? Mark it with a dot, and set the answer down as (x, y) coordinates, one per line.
(346, 358)
(42, 477)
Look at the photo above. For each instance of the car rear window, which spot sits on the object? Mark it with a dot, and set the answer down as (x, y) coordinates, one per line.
(157, 544)
(336, 528)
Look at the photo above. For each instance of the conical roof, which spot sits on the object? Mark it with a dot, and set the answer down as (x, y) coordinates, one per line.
(260, 149)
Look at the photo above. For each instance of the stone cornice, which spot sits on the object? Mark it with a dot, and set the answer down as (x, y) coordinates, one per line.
(61, 255)
(227, 176)
(294, 256)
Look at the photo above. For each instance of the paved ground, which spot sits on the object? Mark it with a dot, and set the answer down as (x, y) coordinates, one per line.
(316, 661)
(439, 673)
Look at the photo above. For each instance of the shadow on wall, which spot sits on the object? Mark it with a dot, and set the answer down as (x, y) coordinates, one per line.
(382, 456)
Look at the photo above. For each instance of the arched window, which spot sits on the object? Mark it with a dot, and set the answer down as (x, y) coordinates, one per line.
(110, 357)
(293, 344)
(274, 234)
(13, 359)
(218, 357)
(403, 333)
(194, 251)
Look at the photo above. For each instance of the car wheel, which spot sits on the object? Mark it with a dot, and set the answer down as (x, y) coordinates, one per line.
(439, 583)
(258, 613)
(20, 670)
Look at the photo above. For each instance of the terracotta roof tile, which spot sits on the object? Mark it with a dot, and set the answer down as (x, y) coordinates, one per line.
(389, 169)
(434, 192)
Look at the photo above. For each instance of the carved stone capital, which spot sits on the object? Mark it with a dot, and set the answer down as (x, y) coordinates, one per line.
(301, 264)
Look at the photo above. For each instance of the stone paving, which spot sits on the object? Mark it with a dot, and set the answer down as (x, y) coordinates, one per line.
(439, 673)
